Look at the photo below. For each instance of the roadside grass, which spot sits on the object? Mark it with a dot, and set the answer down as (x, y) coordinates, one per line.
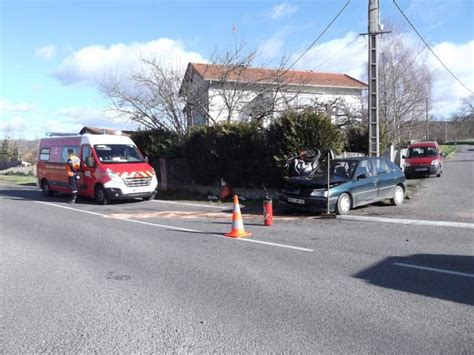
(27, 180)
(449, 150)
(468, 141)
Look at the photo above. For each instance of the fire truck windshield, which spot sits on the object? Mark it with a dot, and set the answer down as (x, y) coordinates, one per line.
(118, 153)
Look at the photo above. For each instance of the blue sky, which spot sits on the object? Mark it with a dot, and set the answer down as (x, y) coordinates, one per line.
(54, 53)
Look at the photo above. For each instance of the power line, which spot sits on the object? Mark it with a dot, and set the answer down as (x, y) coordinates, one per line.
(431, 50)
(321, 34)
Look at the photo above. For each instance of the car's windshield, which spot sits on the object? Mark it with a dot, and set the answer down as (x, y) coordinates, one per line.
(118, 153)
(421, 152)
(340, 168)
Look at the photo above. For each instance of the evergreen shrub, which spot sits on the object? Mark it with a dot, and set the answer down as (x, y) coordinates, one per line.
(245, 154)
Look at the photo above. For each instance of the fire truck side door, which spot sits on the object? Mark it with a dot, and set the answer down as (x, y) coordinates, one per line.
(88, 166)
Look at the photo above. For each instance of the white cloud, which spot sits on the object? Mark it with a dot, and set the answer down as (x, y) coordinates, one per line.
(351, 60)
(281, 11)
(13, 127)
(91, 64)
(341, 55)
(72, 119)
(270, 48)
(447, 92)
(33, 125)
(46, 52)
(10, 107)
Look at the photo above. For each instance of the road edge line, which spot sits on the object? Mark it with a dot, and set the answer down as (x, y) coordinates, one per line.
(165, 226)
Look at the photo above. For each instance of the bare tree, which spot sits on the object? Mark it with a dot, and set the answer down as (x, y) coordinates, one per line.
(466, 110)
(226, 89)
(405, 84)
(155, 96)
(149, 97)
(462, 121)
(236, 89)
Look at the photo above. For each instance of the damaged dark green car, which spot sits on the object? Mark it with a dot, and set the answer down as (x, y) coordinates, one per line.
(353, 182)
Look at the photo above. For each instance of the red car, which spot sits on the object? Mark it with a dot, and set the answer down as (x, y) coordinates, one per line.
(423, 159)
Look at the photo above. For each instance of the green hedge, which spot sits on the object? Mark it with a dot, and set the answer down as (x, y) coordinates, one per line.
(236, 152)
(156, 143)
(245, 154)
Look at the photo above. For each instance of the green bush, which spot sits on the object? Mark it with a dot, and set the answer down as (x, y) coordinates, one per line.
(199, 148)
(245, 154)
(357, 139)
(225, 151)
(294, 132)
(156, 143)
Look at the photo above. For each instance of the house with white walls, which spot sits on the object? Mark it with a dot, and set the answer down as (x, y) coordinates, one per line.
(216, 93)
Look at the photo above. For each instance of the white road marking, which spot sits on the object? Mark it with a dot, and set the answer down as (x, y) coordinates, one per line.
(71, 208)
(192, 204)
(157, 225)
(273, 244)
(418, 222)
(465, 274)
(165, 226)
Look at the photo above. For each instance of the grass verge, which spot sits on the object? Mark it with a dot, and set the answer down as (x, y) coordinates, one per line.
(18, 180)
(449, 150)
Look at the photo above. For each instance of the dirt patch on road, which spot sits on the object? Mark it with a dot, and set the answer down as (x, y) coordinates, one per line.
(198, 215)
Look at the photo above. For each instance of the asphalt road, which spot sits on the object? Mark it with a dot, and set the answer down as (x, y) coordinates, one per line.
(160, 277)
(450, 197)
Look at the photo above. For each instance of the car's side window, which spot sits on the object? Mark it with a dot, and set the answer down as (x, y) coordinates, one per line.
(391, 165)
(364, 168)
(380, 167)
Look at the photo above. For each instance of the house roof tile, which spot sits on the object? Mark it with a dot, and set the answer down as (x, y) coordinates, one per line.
(261, 75)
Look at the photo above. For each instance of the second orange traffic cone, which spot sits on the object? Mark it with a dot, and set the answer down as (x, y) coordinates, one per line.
(237, 230)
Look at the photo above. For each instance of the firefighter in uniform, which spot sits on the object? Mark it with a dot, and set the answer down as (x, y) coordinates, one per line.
(72, 167)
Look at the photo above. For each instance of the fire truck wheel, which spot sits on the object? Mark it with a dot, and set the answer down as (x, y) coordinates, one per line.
(46, 190)
(101, 196)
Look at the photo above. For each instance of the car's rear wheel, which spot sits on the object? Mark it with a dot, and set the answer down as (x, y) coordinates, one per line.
(343, 205)
(398, 196)
(101, 196)
(46, 189)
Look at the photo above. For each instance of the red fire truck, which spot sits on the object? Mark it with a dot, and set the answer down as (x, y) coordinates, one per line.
(112, 167)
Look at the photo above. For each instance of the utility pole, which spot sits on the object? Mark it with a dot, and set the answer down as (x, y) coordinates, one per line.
(427, 120)
(374, 128)
(446, 131)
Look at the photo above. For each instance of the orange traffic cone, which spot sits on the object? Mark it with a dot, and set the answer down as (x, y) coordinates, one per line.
(237, 230)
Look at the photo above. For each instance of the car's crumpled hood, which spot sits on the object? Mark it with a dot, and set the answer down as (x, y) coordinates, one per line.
(315, 182)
